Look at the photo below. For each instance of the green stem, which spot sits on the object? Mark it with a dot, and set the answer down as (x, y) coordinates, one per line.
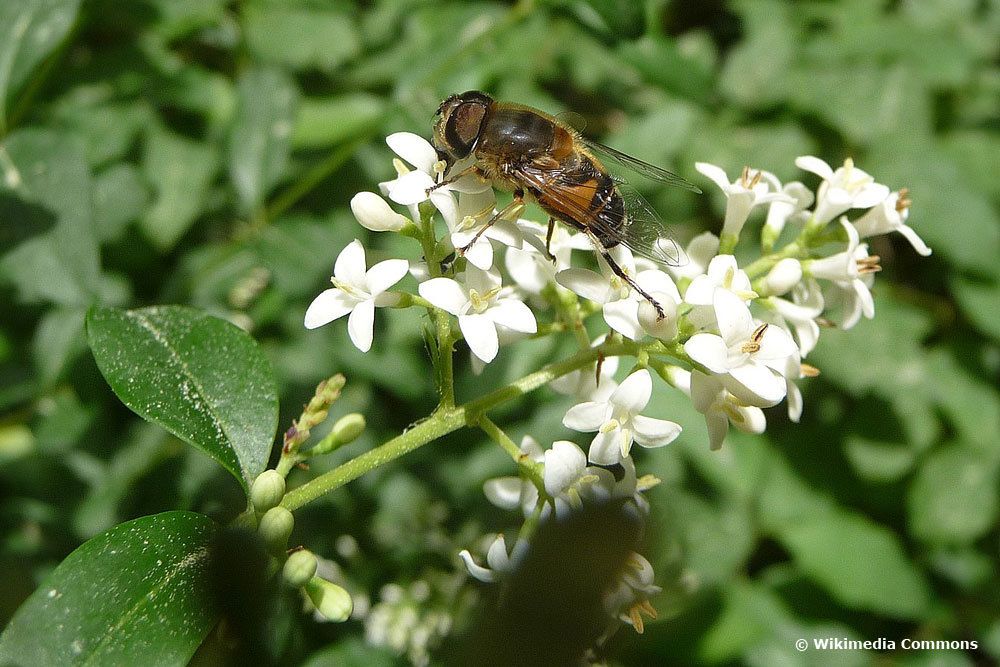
(531, 469)
(445, 421)
(310, 180)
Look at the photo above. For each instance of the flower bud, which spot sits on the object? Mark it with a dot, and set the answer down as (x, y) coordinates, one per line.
(330, 599)
(275, 527)
(785, 275)
(665, 328)
(299, 568)
(267, 490)
(374, 213)
(348, 428)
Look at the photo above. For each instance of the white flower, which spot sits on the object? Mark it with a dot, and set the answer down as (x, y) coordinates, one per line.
(723, 273)
(500, 563)
(800, 313)
(481, 305)
(618, 423)
(846, 188)
(619, 302)
(410, 188)
(374, 213)
(781, 211)
(629, 599)
(567, 476)
(530, 267)
(358, 292)
(472, 212)
(512, 492)
(699, 253)
(890, 216)
(721, 408)
(783, 276)
(851, 274)
(753, 188)
(746, 353)
(659, 286)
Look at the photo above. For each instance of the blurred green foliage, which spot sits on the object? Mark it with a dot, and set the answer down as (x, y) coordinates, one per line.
(203, 152)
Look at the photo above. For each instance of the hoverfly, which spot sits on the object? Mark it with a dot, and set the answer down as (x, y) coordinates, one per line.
(535, 155)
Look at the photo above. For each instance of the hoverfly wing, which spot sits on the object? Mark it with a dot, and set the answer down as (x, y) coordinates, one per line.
(639, 229)
(638, 166)
(572, 120)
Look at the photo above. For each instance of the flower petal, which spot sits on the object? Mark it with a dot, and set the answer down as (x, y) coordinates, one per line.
(385, 274)
(733, 316)
(481, 335)
(504, 492)
(622, 315)
(477, 571)
(606, 448)
(410, 188)
(361, 325)
(374, 213)
(414, 149)
(350, 266)
(716, 174)
(708, 350)
(650, 432)
(514, 315)
(586, 283)
(329, 305)
(444, 293)
(815, 165)
(564, 464)
(756, 384)
(633, 393)
(587, 417)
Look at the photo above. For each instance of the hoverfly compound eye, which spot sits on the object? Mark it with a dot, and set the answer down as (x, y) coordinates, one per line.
(476, 96)
(464, 125)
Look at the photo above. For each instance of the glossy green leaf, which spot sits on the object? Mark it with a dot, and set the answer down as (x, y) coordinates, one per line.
(979, 303)
(953, 498)
(47, 184)
(180, 171)
(135, 595)
(201, 378)
(29, 31)
(259, 144)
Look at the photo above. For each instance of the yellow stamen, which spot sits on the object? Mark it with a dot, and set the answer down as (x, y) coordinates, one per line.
(903, 201)
(753, 345)
(809, 371)
(869, 264)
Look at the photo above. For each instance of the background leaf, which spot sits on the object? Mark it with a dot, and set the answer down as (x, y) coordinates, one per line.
(137, 594)
(199, 377)
(29, 31)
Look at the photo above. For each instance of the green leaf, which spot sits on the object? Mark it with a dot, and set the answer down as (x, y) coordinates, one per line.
(201, 378)
(180, 170)
(322, 122)
(46, 180)
(259, 144)
(953, 498)
(878, 461)
(860, 563)
(136, 594)
(299, 37)
(979, 303)
(57, 341)
(29, 31)
(120, 196)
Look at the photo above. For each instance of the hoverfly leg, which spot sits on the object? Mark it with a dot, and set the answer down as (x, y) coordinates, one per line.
(454, 177)
(518, 201)
(620, 272)
(597, 369)
(548, 239)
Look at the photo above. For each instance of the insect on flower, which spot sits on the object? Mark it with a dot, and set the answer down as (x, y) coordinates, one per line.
(542, 158)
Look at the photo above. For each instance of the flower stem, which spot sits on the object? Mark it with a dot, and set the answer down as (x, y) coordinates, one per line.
(447, 420)
(530, 468)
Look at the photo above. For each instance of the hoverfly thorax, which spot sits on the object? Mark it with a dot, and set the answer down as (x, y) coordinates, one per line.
(460, 121)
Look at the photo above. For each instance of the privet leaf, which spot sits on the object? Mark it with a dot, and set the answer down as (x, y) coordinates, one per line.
(201, 378)
(137, 594)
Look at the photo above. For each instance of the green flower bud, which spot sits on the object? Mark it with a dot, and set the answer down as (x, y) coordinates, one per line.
(275, 527)
(348, 428)
(299, 568)
(330, 599)
(267, 490)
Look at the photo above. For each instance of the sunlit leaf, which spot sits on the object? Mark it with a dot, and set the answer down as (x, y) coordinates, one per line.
(135, 595)
(201, 378)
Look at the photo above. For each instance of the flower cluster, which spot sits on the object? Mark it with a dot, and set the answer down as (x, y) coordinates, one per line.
(731, 335)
